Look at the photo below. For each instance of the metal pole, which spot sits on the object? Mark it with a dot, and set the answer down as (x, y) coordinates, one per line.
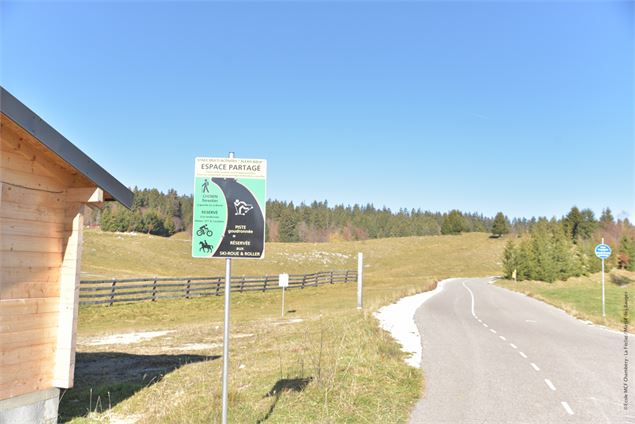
(603, 307)
(360, 270)
(228, 281)
(228, 277)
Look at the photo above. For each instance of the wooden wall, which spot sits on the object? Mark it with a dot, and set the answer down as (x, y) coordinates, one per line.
(40, 246)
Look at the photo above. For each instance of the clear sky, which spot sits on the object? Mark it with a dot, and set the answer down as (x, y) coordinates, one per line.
(523, 107)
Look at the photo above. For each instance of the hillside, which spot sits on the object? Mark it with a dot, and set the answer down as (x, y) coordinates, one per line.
(127, 254)
(390, 263)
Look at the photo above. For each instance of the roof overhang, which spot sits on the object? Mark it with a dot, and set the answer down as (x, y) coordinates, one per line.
(62, 147)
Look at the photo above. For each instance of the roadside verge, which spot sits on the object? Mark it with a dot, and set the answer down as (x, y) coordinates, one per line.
(398, 320)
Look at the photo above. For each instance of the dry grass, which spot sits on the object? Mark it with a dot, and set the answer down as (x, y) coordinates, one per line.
(329, 362)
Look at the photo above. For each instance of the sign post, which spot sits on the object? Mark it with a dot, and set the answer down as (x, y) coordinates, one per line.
(228, 282)
(229, 222)
(360, 270)
(603, 251)
(283, 281)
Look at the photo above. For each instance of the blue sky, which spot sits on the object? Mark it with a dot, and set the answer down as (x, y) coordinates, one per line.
(523, 107)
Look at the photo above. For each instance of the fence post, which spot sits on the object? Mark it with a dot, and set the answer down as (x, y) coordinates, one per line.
(218, 286)
(187, 290)
(331, 277)
(112, 292)
(303, 281)
(154, 289)
(242, 284)
(264, 288)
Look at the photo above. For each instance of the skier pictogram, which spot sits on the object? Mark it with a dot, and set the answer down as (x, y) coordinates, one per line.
(242, 207)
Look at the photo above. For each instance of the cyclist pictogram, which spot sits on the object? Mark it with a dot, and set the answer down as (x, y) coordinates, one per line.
(203, 230)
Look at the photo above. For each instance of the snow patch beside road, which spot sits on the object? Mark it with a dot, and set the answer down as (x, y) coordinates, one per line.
(399, 320)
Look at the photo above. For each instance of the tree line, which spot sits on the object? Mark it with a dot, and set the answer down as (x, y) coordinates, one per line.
(152, 212)
(557, 249)
(541, 249)
(164, 214)
(320, 222)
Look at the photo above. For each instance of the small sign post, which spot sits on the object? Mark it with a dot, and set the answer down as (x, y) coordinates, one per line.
(229, 222)
(603, 251)
(283, 281)
(360, 281)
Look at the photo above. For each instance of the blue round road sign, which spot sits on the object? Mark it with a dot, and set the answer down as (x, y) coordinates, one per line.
(602, 251)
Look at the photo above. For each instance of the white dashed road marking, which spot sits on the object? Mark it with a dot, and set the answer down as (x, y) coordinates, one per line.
(565, 405)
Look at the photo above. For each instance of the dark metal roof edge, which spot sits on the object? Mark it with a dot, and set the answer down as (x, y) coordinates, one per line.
(62, 147)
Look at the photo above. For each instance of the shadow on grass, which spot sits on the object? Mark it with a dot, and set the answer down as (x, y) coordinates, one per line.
(621, 280)
(284, 385)
(103, 379)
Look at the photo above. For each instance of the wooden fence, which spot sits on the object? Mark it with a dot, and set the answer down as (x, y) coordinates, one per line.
(137, 289)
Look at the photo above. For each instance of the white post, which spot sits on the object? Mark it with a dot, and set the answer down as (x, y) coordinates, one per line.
(603, 307)
(228, 281)
(360, 270)
(283, 301)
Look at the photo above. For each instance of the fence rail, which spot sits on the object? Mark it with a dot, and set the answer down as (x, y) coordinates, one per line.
(137, 289)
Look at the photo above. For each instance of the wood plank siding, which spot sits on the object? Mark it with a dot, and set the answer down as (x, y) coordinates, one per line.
(40, 249)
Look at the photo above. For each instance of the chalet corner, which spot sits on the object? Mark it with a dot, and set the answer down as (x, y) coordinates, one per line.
(45, 185)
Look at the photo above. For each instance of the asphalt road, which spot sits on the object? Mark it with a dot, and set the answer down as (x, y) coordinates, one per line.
(494, 356)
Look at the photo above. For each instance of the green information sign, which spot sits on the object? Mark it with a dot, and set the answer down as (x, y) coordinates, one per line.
(229, 208)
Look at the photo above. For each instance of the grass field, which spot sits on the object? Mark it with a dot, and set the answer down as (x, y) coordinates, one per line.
(582, 296)
(324, 362)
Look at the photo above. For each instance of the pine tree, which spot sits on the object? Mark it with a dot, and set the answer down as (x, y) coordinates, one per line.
(454, 223)
(626, 254)
(168, 225)
(544, 268)
(288, 227)
(571, 223)
(105, 221)
(136, 222)
(153, 224)
(587, 225)
(525, 262)
(606, 218)
(579, 224)
(500, 226)
(509, 260)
